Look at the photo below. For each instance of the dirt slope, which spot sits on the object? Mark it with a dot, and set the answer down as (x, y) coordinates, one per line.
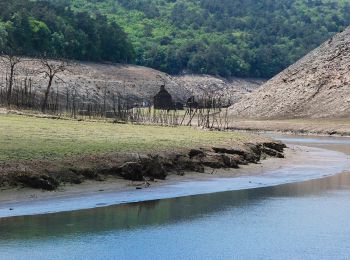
(134, 82)
(317, 86)
(232, 89)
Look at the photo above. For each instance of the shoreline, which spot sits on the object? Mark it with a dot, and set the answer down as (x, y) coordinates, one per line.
(25, 194)
(306, 127)
(287, 132)
(138, 166)
(270, 172)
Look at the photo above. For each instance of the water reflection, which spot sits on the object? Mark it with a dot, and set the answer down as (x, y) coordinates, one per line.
(158, 212)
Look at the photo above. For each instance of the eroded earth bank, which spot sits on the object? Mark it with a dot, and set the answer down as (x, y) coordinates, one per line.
(142, 167)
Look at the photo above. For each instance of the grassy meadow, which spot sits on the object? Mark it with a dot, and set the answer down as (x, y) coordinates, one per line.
(30, 138)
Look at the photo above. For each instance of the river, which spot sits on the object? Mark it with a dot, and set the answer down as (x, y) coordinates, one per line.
(304, 214)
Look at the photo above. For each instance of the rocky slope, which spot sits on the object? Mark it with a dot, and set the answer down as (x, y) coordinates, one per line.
(317, 86)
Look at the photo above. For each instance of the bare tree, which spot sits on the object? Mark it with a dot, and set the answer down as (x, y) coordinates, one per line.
(51, 69)
(10, 62)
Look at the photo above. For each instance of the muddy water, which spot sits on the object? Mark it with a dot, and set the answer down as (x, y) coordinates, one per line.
(306, 219)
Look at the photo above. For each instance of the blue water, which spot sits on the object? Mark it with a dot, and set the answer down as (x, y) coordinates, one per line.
(312, 139)
(304, 220)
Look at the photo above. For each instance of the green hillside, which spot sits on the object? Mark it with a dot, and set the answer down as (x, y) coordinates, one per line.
(227, 37)
(41, 28)
(255, 38)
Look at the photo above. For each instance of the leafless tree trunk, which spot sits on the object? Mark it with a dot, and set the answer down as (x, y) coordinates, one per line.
(51, 69)
(10, 62)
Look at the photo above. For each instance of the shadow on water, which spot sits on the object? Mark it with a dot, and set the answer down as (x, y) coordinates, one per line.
(158, 212)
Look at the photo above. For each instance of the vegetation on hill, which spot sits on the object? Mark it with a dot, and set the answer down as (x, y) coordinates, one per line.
(256, 38)
(38, 28)
(228, 37)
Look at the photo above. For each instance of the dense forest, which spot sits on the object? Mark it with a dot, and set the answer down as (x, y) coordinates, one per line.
(255, 38)
(42, 28)
(251, 38)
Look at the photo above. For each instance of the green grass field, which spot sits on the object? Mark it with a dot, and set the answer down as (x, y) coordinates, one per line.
(30, 138)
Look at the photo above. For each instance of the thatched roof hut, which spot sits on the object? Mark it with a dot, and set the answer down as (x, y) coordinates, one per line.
(163, 99)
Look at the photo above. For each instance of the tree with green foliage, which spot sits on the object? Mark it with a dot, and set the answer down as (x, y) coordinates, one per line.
(256, 38)
(36, 28)
(3, 35)
(251, 38)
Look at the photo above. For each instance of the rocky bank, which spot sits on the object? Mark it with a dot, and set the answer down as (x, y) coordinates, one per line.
(136, 167)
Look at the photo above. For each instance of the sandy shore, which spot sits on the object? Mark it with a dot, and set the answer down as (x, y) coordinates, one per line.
(327, 127)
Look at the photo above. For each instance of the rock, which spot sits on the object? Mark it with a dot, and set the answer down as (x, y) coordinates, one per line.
(168, 164)
(77, 175)
(196, 152)
(232, 161)
(216, 161)
(229, 150)
(332, 132)
(154, 167)
(248, 155)
(251, 157)
(131, 171)
(255, 148)
(183, 163)
(272, 153)
(75, 179)
(44, 182)
(278, 146)
(89, 174)
(112, 170)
